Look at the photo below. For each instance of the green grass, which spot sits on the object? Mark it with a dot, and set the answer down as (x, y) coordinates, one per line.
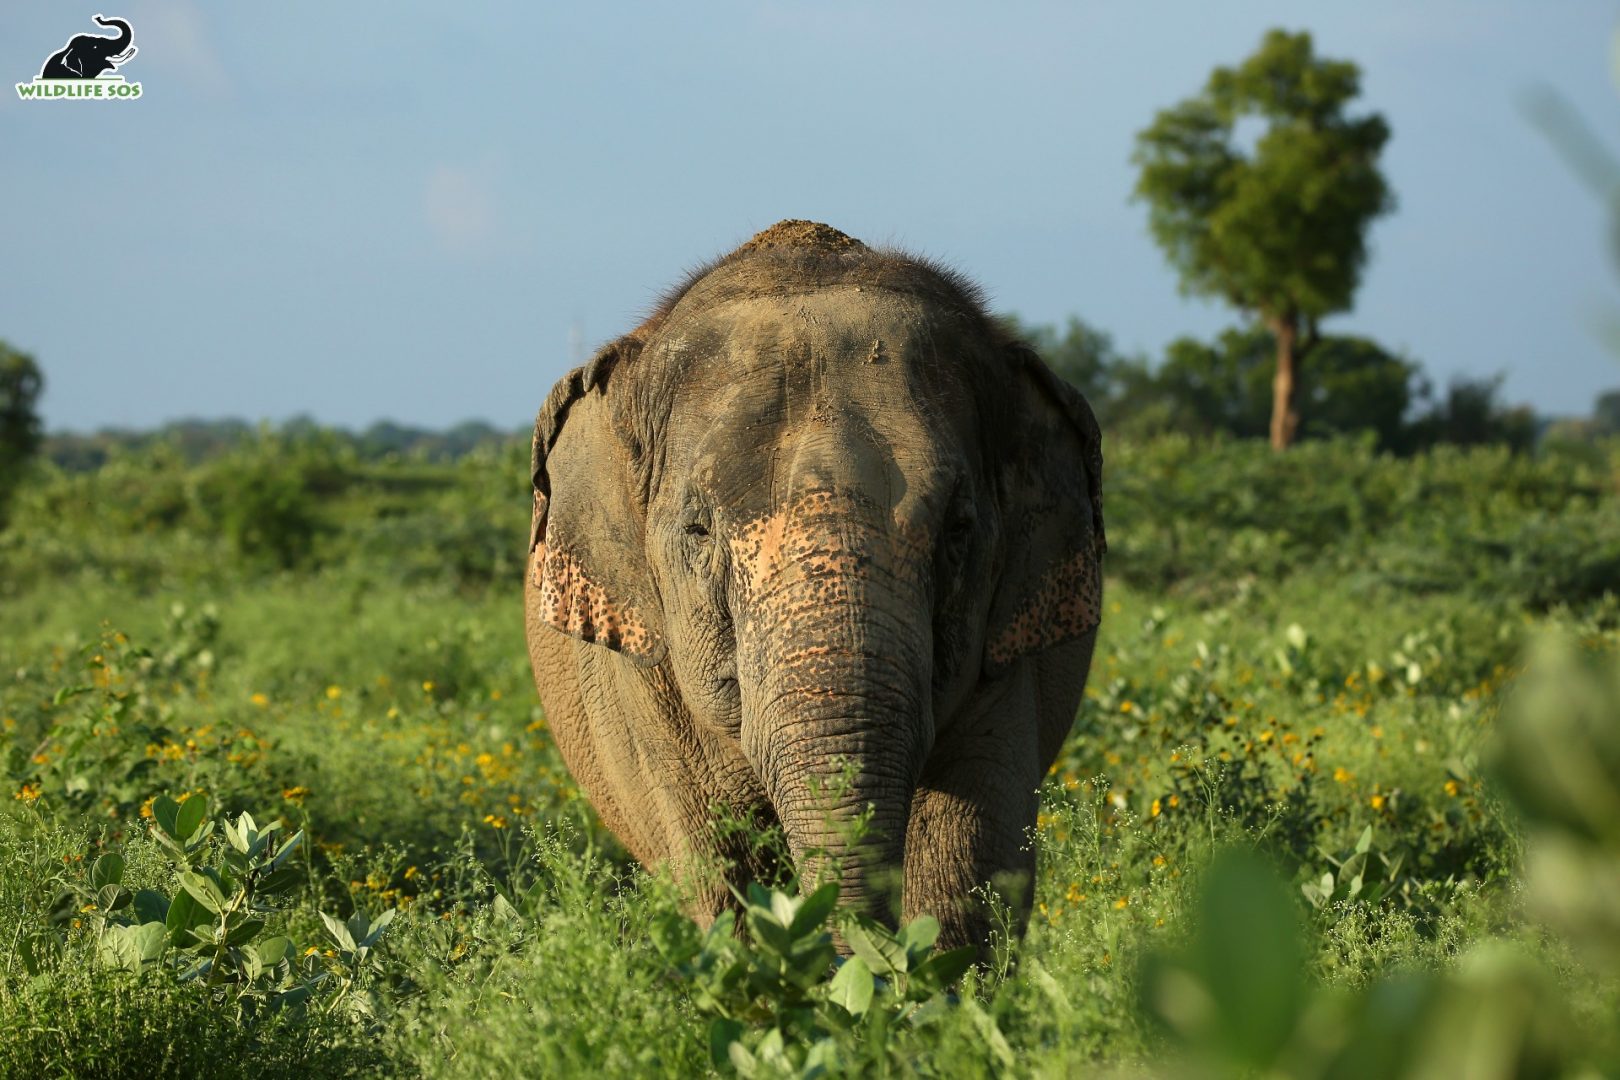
(1294, 652)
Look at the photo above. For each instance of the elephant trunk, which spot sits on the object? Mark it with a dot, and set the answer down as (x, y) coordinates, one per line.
(835, 672)
(125, 34)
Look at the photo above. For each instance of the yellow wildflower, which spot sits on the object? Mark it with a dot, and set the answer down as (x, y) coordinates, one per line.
(260, 699)
(1452, 788)
(28, 793)
(1343, 775)
(334, 692)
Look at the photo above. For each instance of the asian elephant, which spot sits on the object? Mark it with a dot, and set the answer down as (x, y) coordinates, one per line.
(818, 517)
(87, 56)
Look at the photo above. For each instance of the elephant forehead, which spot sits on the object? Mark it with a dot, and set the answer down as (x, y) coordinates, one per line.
(866, 334)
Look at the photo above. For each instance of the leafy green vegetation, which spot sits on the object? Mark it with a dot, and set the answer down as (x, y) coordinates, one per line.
(206, 661)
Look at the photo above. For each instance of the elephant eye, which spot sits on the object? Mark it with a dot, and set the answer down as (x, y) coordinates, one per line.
(957, 535)
(696, 523)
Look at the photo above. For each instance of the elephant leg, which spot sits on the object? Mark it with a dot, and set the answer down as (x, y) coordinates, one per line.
(974, 812)
(958, 842)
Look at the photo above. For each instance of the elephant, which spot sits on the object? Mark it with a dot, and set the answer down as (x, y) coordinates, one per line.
(818, 543)
(87, 56)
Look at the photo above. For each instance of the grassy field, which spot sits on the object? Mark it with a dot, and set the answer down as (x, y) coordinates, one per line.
(1318, 658)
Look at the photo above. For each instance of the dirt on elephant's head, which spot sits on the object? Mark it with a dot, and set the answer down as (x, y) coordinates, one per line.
(797, 233)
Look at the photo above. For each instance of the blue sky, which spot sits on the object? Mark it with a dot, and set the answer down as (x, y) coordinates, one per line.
(404, 211)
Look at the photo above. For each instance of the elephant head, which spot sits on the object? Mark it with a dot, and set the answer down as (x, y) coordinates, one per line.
(825, 492)
(87, 56)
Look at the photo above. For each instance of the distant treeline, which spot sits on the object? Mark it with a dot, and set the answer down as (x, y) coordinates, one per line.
(1348, 386)
(203, 440)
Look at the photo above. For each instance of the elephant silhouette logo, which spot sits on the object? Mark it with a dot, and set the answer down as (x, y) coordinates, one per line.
(85, 68)
(86, 56)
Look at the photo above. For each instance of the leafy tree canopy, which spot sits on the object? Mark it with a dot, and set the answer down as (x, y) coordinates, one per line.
(20, 386)
(1277, 229)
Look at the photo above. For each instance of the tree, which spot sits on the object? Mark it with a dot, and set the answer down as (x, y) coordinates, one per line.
(1278, 230)
(1606, 413)
(1351, 385)
(1472, 414)
(20, 385)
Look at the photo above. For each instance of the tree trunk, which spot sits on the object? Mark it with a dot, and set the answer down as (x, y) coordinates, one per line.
(1284, 412)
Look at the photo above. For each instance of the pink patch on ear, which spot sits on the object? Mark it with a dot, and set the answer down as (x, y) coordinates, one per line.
(1067, 604)
(572, 603)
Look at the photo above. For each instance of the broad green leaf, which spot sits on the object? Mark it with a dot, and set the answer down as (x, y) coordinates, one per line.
(767, 932)
(244, 931)
(263, 839)
(1248, 955)
(943, 969)
(150, 939)
(877, 946)
(203, 890)
(822, 1060)
(279, 881)
(723, 1031)
(117, 950)
(234, 836)
(340, 932)
(852, 987)
(190, 816)
(1364, 843)
(782, 907)
(287, 848)
(107, 870)
(919, 934)
(165, 811)
(378, 926)
(151, 906)
(272, 950)
(814, 909)
(503, 909)
(112, 897)
(184, 913)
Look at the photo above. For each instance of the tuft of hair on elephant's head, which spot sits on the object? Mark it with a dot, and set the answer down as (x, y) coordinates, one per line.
(819, 542)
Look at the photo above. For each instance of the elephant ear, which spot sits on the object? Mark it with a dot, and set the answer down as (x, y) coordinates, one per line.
(587, 557)
(1050, 586)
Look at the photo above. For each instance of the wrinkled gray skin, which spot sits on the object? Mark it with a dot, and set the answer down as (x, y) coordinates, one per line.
(818, 510)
